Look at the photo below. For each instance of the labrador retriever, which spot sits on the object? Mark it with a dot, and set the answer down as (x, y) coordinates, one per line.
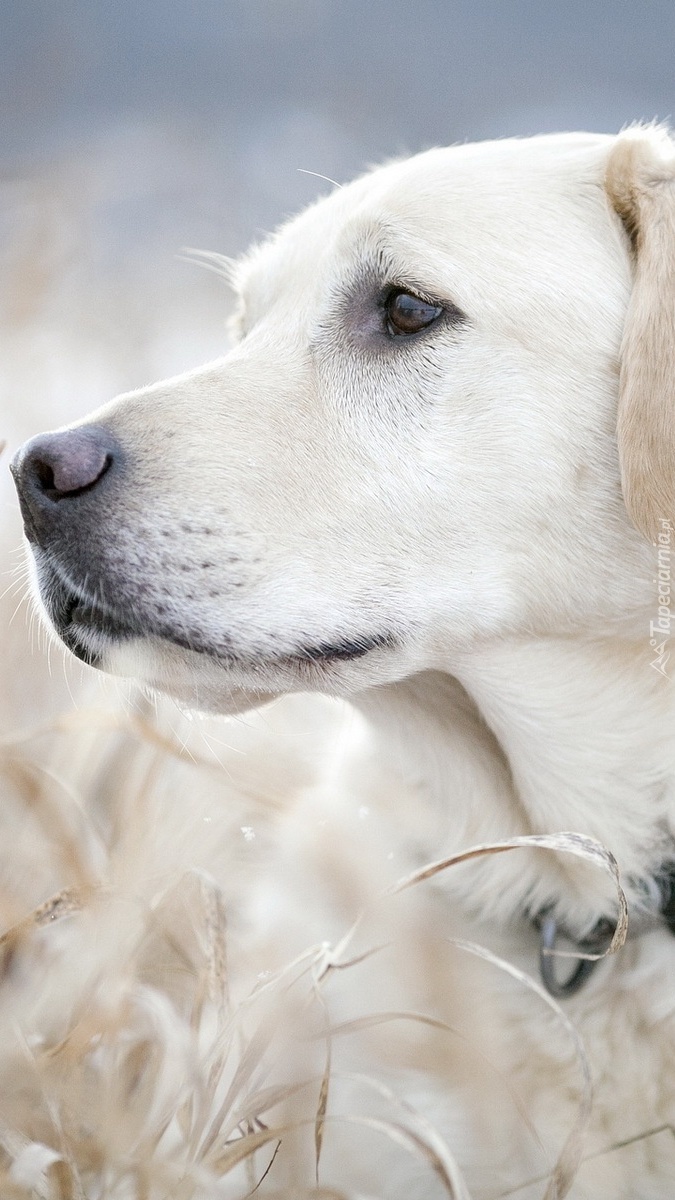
(435, 475)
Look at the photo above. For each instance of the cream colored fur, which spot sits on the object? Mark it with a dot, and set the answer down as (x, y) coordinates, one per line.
(464, 493)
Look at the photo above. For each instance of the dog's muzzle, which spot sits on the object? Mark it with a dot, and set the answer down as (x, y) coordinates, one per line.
(65, 482)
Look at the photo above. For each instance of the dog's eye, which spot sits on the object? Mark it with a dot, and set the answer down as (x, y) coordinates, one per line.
(408, 314)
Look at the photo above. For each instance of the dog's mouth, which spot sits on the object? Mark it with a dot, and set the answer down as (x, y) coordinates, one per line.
(92, 632)
(87, 629)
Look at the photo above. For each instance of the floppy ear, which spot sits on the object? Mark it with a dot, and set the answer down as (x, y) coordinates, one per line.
(640, 182)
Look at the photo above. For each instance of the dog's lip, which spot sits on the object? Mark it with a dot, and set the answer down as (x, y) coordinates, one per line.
(78, 617)
(344, 651)
(86, 615)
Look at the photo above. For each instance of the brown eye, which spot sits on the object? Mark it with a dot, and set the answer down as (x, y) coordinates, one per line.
(408, 314)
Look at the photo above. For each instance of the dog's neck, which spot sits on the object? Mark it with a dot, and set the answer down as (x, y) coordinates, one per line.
(540, 737)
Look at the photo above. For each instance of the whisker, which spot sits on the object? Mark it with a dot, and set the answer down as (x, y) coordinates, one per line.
(211, 260)
(318, 175)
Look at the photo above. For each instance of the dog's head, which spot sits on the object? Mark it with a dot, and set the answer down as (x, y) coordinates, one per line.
(411, 448)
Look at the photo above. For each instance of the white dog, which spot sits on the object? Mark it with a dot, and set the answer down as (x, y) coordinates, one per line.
(403, 486)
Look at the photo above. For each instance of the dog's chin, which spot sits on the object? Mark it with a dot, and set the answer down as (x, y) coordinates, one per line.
(208, 678)
(186, 676)
(205, 684)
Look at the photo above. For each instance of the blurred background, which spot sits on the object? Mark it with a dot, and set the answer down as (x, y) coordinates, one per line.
(132, 129)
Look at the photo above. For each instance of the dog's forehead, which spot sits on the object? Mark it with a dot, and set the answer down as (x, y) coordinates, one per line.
(462, 199)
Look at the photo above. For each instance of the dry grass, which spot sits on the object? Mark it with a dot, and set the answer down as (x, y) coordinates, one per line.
(153, 1043)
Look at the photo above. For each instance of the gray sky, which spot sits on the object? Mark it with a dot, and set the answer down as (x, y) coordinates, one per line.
(338, 84)
(399, 72)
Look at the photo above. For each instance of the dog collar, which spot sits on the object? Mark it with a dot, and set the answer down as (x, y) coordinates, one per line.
(596, 942)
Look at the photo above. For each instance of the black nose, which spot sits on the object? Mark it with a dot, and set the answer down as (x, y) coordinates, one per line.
(60, 466)
(57, 465)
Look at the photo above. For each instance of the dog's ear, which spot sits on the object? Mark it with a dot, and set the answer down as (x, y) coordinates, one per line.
(640, 183)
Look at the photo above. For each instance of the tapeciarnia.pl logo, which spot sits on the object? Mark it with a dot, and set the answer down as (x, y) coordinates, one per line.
(659, 630)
